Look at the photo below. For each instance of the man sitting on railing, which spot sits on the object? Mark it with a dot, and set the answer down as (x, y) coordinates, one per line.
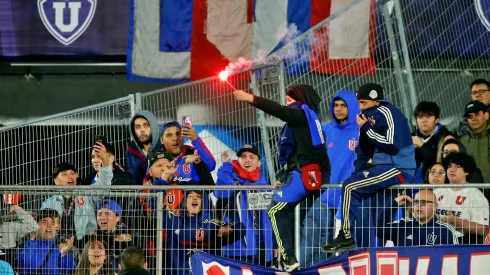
(464, 208)
(144, 137)
(195, 162)
(423, 228)
(257, 246)
(78, 212)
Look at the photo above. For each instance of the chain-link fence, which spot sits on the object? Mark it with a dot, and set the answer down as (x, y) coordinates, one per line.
(223, 123)
(30, 150)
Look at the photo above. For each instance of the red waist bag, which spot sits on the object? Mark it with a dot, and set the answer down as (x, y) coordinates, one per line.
(311, 177)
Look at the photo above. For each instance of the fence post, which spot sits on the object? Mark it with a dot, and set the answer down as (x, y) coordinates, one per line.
(406, 56)
(137, 103)
(396, 61)
(282, 83)
(264, 134)
(297, 233)
(160, 253)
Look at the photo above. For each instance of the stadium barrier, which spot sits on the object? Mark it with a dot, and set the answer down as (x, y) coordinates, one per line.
(171, 222)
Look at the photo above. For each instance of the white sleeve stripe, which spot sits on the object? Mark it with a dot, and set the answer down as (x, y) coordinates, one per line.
(391, 129)
(377, 137)
(391, 125)
(455, 233)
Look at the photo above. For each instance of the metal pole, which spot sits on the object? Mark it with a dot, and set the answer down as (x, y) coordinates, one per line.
(282, 83)
(406, 56)
(137, 103)
(297, 228)
(396, 61)
(132, 102)
(263, 131)
(160, 253)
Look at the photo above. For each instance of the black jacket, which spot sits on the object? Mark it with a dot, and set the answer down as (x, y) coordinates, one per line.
(426, 155)
(134, 271)
(120, 177)
(304, 153)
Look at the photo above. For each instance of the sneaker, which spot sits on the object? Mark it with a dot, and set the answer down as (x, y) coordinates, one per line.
(290, 264)
(340, 244)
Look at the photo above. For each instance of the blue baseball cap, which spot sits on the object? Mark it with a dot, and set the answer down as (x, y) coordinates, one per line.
(169, 124)
(111, 205)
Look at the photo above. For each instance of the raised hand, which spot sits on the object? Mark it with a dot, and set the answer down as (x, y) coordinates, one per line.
(241, 95)
(101, 153)
(194, 158)
(225, 157)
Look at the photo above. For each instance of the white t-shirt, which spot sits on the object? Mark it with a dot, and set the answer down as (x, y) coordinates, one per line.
(468, 204)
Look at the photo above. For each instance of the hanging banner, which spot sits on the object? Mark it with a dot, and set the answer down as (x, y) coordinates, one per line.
(420, 260)
(64, 27)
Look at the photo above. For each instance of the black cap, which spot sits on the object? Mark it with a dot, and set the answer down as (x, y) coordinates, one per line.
(248, 148)
(371, 91)
(474, 106)
(47, 213)
(158, 155)
(64, 166)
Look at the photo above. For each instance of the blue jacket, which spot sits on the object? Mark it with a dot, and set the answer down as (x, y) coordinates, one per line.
(386, 139)
(238, 210)
(31, 256)
(136, 162)
(187, 173)
(342, 140)
(186, 233)
(410, 232)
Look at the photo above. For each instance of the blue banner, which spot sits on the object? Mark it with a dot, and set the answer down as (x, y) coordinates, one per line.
(447, 29)
(59, 27)
(453, 260)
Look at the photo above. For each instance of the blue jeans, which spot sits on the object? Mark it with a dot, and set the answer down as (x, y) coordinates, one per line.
(318, 228)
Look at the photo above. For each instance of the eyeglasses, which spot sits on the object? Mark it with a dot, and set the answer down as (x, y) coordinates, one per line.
(421, 202)
(437, 173)
(479, 92)
(447, 152)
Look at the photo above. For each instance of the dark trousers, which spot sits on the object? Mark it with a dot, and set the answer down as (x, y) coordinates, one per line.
(286, 197)
(363, 185)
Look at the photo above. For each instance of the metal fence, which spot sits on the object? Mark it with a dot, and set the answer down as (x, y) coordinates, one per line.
(223, 123)
(185, 219)
(30, 150)
(418, 51)
(404, 62)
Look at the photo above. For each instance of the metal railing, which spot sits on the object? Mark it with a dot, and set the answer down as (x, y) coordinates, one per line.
(184, 219)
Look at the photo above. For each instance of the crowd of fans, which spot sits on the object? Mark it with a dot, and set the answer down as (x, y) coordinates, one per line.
(78, 234)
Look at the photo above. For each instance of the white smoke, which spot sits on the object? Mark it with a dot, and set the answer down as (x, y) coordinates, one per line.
(290, 50)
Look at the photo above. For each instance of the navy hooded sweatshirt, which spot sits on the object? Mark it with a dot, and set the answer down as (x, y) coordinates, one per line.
(136, 162)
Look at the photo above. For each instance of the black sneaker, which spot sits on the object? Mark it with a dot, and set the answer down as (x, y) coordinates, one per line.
(290, 264)
(340, 244)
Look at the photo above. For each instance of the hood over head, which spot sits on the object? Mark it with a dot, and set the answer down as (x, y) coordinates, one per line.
(352, 105)
(205, 205)
(307, 95)
(155, 129)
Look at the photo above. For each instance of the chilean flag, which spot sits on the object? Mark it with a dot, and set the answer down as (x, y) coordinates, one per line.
(180, 40)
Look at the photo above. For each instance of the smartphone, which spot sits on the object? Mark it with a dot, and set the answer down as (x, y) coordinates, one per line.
(186, 120)
(100, 138)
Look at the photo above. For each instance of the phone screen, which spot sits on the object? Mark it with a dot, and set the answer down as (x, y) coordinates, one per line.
(186, 120)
